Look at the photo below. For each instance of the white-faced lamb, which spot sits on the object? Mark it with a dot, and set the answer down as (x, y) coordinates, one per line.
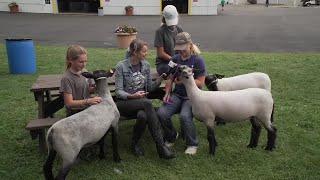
(90, 126)
(232, 106)
(216, 82)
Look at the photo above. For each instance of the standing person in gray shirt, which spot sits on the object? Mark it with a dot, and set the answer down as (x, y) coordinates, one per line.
(164, 38)
(133, 83)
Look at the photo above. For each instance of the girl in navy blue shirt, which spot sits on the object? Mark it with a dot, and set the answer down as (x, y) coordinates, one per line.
(177, 100)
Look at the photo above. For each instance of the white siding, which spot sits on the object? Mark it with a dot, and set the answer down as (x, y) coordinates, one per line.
(34, 6)
(204, 7)
(141, 7)
(274, 1)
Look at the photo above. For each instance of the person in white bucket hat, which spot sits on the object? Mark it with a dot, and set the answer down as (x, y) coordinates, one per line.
(170, 14)
(164, 41)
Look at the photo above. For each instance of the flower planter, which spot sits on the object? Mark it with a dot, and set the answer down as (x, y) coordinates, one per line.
(124, 39)
(129, 12)
(14, 9)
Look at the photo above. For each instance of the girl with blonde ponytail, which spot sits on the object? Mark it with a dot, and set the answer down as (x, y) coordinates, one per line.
(177, 101)
(74, 87)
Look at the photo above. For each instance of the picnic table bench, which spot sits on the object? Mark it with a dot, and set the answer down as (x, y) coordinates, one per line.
(49, 100)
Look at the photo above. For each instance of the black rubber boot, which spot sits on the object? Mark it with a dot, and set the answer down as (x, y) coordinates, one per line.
(138, 130)
(157, 135)
(156, 131)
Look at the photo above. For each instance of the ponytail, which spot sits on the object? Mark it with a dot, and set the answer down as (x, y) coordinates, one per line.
(195, 49)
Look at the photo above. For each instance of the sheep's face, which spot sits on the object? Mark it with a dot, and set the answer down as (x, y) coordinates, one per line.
(98, 74)
(185, 71)
(211, 81)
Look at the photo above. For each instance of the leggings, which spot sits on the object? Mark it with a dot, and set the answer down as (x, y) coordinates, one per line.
(130, 108)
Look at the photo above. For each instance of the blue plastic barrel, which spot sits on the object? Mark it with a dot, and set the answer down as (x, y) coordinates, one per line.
(21, 56)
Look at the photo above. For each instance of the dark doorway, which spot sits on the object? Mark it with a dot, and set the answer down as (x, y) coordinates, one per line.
(79, 6)
(181, 5)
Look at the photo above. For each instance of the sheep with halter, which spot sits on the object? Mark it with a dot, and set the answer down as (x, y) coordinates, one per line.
(233, 106)
(69, 135)
(216, 82)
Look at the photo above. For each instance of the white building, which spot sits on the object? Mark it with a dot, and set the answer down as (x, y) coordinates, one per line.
(114, 7)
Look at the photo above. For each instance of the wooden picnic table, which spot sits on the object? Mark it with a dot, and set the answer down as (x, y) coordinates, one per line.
(49, 100)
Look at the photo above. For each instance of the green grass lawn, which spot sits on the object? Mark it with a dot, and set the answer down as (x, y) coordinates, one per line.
(295, 88)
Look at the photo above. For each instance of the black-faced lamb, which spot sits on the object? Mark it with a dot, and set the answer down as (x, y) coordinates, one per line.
(69, 135)
(232, 106)
(215, 82)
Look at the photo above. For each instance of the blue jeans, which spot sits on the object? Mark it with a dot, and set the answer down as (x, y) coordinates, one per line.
(165, 113)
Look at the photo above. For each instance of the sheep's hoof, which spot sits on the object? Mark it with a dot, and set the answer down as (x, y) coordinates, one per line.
(269, 148)
(251, 146)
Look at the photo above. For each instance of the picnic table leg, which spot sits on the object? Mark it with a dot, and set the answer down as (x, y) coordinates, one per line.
(49, 99)
(42, 141)
(53, 106)
(41, 114)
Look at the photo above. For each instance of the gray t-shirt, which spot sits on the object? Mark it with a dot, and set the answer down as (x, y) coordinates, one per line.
(165, 37)
(74, 84)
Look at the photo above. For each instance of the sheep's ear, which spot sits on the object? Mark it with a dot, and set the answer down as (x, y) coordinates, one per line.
(209, 79)
(219, 76)
(88, 75)
(110, 72)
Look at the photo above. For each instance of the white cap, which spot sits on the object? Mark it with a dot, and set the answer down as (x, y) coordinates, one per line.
(170, 14)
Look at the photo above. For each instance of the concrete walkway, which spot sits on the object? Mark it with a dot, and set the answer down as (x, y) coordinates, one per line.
(237, 28)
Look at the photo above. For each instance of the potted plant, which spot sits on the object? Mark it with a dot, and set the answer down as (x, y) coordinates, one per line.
(14, 7)
(129, 10)
(125, 34)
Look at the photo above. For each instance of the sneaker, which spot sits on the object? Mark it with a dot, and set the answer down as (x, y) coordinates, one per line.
(191, 150)
(170, 144)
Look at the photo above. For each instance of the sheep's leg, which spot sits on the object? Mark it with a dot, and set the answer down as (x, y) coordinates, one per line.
(47, 167)
(255, 133)
(116, 156)
(102, 148)
(63, 172)
(212, 140)
(69, 155)
(272, 135)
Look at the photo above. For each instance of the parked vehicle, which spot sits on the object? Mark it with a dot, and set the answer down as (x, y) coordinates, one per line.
(310, 3)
